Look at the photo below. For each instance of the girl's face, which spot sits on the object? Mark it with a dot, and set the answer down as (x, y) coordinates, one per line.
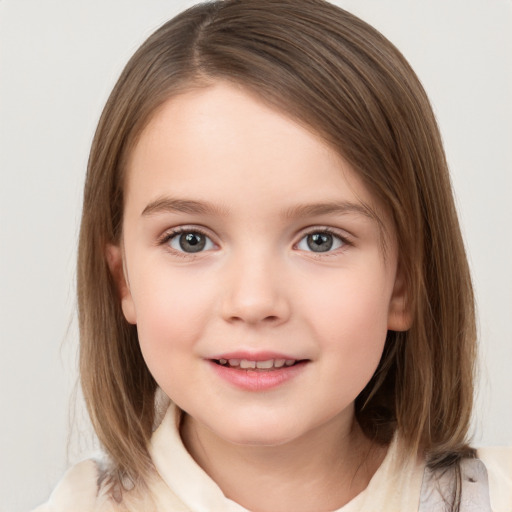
(253, 268)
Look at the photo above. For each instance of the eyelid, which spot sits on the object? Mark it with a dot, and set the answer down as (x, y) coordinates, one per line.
(345, 237)
(342, 235)
(171, 233)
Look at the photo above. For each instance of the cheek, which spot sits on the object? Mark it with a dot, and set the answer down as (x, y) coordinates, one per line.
(171, 314)
(350, 317)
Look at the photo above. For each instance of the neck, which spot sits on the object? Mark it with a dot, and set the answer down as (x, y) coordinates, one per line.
(321, 471)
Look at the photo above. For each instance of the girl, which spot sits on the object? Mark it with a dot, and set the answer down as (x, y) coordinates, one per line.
(275, 306)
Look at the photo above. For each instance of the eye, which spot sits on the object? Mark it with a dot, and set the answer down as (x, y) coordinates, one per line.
(189, 241)
(320, 241)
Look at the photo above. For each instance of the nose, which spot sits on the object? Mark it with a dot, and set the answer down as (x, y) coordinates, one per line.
(255, 292)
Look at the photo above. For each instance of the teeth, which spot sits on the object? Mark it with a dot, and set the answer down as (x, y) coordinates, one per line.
(263, 365)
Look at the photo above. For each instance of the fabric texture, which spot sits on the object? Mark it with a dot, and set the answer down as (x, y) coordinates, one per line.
(180, 485)
(471, 485)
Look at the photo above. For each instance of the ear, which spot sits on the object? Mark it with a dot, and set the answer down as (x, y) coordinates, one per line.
(399, 314)
(115, 261)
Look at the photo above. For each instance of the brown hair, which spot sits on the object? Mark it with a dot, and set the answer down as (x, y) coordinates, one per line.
(337, 75)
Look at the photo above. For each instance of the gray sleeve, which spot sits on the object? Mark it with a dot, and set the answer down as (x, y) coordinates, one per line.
(441, 487)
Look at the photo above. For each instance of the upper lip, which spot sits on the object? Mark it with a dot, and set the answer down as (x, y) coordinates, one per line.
(254, 356)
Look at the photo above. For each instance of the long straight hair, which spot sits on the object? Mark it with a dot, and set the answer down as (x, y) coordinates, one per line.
(335, 74)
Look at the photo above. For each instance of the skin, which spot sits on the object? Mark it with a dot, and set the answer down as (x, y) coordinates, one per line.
(257, 286)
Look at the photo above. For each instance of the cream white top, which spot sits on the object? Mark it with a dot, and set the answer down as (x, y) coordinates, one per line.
(180, 485)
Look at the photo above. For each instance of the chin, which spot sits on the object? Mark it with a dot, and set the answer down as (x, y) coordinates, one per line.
(259, 433)
(263, 438)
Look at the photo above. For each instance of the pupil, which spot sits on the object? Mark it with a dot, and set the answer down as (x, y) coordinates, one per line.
(192, 242)
(320, 242)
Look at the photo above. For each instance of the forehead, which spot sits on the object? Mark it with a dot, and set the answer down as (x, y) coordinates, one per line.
(222, 144)
(225, 120)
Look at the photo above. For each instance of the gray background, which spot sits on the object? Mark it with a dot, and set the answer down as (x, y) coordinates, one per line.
(58, 62)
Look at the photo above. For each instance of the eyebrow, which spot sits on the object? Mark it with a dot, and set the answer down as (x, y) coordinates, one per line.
(172, 205)
(337, 208)
(175, 205)
(341, 208)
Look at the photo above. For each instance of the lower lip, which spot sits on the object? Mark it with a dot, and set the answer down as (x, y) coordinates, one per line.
(258, 380)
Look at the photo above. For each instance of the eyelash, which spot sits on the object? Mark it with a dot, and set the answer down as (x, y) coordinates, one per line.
(169, 235)
(345, 240)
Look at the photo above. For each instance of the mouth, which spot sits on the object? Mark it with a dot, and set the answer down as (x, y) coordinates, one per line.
(257, 372)
(263, 366)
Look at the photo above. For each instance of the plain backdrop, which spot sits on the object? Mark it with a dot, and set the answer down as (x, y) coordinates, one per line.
(58, 62)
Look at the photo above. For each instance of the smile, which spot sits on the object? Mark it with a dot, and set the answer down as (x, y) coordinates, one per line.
(246, 364)
(257, 373)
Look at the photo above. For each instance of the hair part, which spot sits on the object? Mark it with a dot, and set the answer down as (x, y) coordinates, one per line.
(339, 77)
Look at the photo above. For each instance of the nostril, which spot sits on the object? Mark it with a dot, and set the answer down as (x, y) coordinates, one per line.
(253, 303)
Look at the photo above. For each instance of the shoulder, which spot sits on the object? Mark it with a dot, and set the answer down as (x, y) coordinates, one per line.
(84, 489)
(498, 462)
(77, 490)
